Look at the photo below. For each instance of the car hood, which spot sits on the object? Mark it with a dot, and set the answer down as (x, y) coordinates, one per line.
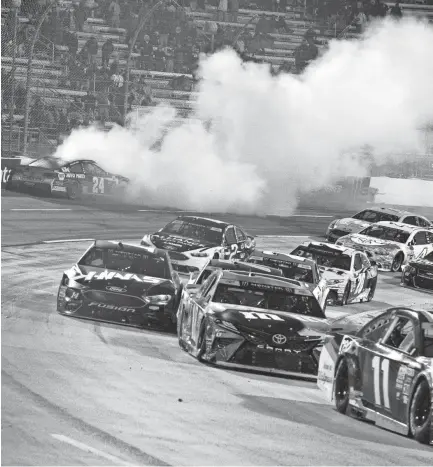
(348, 224)
(118, 281)
(424, 264)
(333, 273)
(269, 321)
(178, 243)
(364, 242)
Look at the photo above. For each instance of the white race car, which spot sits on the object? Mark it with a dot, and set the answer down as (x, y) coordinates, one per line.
(391, 244)
(192, 241)
(349, 274)
(339, 227)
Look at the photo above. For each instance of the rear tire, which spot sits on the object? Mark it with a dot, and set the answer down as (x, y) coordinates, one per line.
(341, 386)
(397, 262)
(420, 413)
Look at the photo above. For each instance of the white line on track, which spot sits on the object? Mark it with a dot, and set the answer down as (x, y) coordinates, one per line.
(160, 210)
(40, 209)
(70, 240)
(283, 236)
(86, 448)
(306, 215)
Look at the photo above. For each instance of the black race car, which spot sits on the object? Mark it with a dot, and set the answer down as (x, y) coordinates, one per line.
(74, 179)
(253, 321)
(419, 273)
(378, 366)
(122, 283)
(191, 241)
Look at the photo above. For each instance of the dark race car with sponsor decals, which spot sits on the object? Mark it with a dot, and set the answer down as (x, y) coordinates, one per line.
(349, 274)
(191, 241)
(297, 268)
(378, 366)
(73, 179)
(121, 283)
(419, 273)
(340, 227)
(253, 321)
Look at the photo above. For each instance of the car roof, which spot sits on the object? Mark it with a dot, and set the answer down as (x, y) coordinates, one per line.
(204, 221)
(332, 247)
(241, 265)
(283, 257)
(55, 162)
(387, 210)
(399, 225)
(254, 277)
(130, 247)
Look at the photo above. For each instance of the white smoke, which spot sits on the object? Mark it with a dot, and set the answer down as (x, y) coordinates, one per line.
(269, 137)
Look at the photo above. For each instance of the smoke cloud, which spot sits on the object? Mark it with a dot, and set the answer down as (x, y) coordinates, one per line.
(255, 141)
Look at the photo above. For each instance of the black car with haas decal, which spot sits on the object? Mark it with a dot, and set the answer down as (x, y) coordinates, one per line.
(253, 321)
(73, 179)
(378, 366)
(191, 241)
(419, 273)
(122, 283)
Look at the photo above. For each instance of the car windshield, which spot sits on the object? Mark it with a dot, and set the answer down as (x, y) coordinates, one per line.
(328, 259)
(386, 233)
(429, 257)
(372, 216)
(204, 233)
(135, 262)
(272, 298)
(290, 269)
(45, 163)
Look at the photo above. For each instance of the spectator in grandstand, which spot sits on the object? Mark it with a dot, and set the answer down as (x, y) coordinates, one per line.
(71, 41)
(146, 51)
(80, 15)
(222, 10)
(107, 50)
(114, 14)
(360, 21)
(395, 11)
(376, 9)
(90, 50)
(234, 10)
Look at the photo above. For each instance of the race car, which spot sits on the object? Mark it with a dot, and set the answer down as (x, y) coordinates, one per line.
(391, 244)
(121, 283)
(72, 179)
(419, 273)
(295, 267)
(253, 321)
(349, 274)
(382, 369)
(191, 241)
(339, 227)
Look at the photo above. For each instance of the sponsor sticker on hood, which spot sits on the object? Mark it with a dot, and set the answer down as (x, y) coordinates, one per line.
(110, 275)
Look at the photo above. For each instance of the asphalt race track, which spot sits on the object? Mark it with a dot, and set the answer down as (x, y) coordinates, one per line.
(82, 393)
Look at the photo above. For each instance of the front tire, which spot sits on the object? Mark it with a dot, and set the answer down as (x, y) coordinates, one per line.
(73, 191)
(397, 262)
(341, 386)
(420, 413)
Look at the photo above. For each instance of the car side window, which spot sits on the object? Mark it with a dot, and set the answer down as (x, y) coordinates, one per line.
(429, 236)
(206, 286)
(75, 168)
(240, 235)
(376, 328)
(93, 169)
(401, 335)
(230, 236)
(357, 263)
(411, 220)
(422, 222)
(365, 261)
(420, 238)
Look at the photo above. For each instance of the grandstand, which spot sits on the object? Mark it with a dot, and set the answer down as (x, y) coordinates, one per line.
(81, 54)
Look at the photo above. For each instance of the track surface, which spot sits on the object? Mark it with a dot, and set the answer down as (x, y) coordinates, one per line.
(79, 393)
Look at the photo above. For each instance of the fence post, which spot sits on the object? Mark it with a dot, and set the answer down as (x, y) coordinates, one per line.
(16, 4)
(30, 69)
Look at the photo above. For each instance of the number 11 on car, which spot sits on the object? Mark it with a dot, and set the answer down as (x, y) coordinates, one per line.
(381, 381)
